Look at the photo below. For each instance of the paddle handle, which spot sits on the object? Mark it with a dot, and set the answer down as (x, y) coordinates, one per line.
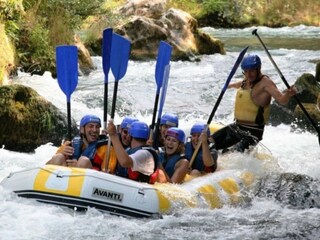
(255, 32)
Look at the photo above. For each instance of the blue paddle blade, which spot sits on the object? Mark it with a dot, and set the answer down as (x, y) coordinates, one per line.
(235, 67)
(67, 69)
(120, 52)
(164, 89)
(163, 59)
(106, 51)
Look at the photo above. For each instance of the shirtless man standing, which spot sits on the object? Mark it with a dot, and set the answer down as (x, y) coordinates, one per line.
(252, 107)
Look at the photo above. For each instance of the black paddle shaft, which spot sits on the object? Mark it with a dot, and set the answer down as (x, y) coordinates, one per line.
(115, 91)
(156, 101)
(105, 104)
(69, 120)
(254, 32)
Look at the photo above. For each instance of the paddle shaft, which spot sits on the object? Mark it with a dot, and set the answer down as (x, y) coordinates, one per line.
(113, 109)
(115, 92)
(234, 69)
(162, 100)
(163, 59)
(105, 105)
(156, 101)
(106, 52)
(254, 32)
(69, 120)
(119, 57)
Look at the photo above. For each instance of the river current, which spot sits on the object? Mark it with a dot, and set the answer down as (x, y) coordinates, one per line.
(192, 92)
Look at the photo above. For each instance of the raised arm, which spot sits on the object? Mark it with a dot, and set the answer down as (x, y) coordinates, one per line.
(281, 97)
(122, 155)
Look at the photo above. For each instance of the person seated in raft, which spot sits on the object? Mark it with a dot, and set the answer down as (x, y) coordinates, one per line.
(174, 165)
(252, 107)
(167, 120)
(125, 139)
(206, 159)
(140, 160)
(88, 151)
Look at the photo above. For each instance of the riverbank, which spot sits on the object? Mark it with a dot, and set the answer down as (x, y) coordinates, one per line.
(34, 30)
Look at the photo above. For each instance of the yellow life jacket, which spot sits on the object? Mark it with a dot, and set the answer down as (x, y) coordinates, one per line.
(247, 111)
(101, 154)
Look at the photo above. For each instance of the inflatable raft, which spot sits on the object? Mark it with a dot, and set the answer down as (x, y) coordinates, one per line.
(85, 188)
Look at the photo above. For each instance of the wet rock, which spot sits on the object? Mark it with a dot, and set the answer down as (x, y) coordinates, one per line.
(296, 190)
(308, 92)
(318, 72)
(28, 120)
(302, 121)
(86, 65)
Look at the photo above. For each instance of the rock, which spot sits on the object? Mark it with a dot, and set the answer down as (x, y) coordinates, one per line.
(318, 72)
(28, 120)
(149, 23)
(86, 65)
(301, 119)
(150, 9)
(308, 92)
(295, 190)
(280, 114)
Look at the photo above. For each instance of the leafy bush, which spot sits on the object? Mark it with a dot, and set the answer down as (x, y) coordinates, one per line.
(48, 24)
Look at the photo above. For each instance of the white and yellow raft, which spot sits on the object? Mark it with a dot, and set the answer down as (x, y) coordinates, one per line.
(85, 188)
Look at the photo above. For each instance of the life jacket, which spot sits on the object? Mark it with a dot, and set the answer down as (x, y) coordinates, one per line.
(137, 176)
(121, 171)
(96, 152)
(169, 163)
(198, 162)
(246, 110)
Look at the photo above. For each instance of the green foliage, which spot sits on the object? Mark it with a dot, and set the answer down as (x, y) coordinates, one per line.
(229, 11)
(240, 13)
(49, 23)
(10, 14)
(193, 7)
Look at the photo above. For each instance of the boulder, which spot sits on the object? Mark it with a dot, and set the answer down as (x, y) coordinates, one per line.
(150, 9)
(308, 95)
(28, 120)
(301, 121)
(318, 72)
(86, 65)
(149, 23)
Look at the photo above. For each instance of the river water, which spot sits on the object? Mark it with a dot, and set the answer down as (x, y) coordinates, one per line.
(192, 92)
